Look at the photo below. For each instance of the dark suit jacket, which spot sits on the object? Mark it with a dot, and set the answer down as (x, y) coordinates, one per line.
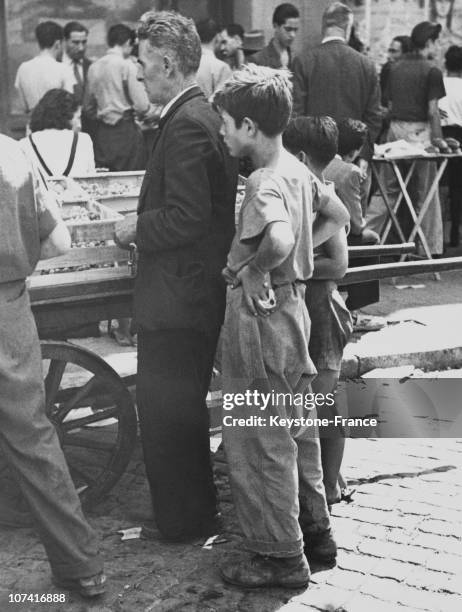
(333, 79)
(269, 56)
(185, 221)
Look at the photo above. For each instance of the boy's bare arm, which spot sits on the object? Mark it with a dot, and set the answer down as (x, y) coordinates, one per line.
(333, 264)
(275, 246)
(330, 218)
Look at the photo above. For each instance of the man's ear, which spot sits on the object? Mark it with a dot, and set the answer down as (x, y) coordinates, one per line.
(169, 65)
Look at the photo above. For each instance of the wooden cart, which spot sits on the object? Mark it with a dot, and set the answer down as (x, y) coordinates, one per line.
(88, 402)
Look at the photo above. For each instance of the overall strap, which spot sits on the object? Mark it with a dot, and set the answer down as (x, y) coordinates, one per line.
(70, 163)
(39, 157)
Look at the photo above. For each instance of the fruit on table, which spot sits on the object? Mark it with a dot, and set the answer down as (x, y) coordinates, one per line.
(80, 213)
(111, 189)
(441, 144)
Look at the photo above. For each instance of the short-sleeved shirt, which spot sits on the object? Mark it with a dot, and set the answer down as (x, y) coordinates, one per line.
(27, 216)
(347, 180)
(286, 194)
(413, 82)
(37, 76)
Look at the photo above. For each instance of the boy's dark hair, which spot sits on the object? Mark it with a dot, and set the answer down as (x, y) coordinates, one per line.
(119, 34)
(315, 136)
(352, 134)
(234, 29)
(405, 42)
(262, 94)
(73, 26)
(47, 33)
(54, 111)
(453, 59)
(207, 30)
(284, 12)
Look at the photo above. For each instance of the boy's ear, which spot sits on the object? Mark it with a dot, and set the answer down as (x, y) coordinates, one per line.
(250, 125)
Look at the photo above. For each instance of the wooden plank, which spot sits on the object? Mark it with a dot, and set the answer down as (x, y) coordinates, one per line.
(378, 250)
(85, 256)
(79, 286)
(376, 272)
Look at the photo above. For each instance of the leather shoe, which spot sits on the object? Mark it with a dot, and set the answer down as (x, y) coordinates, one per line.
(259, 571)
(321, 547)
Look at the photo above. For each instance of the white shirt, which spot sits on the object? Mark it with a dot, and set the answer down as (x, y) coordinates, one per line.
(212, 72)
(329, 38)
(55, 147)
(169, 105)
(452, 102)
(68, 61)
(37, 76)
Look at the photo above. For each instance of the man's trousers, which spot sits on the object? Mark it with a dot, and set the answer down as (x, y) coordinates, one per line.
(30, 445)
(174, 371)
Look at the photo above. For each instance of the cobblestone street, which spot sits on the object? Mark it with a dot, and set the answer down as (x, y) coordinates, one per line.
(400, 545)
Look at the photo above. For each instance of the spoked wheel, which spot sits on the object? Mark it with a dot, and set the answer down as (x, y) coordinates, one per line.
(94, 415)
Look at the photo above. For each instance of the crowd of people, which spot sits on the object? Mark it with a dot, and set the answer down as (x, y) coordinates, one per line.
(194, 102)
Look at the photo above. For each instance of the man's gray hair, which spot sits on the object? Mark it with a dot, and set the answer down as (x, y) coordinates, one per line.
(337, 15)
(175, 34)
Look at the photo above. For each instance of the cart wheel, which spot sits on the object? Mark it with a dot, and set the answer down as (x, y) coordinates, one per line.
(94, 416)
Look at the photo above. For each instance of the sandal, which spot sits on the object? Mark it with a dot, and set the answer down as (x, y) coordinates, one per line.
(86, 587)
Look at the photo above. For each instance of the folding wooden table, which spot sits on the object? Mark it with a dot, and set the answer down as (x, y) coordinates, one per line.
(403, 182)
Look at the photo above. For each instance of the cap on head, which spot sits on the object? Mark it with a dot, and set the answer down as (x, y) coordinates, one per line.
(253, 41)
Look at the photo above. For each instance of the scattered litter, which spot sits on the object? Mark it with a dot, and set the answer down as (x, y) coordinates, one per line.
(215, 442)
(133, 533)
(410, 286)
(216, 539)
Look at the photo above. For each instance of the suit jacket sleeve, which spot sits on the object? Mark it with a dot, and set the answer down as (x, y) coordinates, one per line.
(372, 116)
(184, 215)
(353, 193)
(300, 87)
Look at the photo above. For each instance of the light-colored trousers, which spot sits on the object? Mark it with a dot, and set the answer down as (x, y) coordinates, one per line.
(275, 471)
(30, 446)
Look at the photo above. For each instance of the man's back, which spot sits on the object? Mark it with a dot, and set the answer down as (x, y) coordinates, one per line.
(212, 73)
(112, 83)
(37, 76)
(333, 79)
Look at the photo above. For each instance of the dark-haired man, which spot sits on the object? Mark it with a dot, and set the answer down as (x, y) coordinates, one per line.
(113, 97)
(277, 54)
(183, 231)
(232, 37)
(414, 88)
(212, 71)
(45, 71)
(75, 46)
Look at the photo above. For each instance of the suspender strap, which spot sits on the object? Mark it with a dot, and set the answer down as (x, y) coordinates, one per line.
(39, 157)
(70, 163)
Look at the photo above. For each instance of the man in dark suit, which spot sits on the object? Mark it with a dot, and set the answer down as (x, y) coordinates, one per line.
(183, 231)
(333, 79)
(75, 46)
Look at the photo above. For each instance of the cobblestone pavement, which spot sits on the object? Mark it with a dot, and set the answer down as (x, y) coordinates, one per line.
(400, 545)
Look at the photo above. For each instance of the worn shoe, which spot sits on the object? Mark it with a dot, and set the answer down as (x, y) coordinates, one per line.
(92, 586)
(259, 571)
(321, 547)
